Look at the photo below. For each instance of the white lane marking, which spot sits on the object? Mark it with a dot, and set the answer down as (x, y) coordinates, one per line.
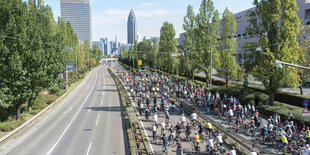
(88, 148)
(51, 150)
(101, 100)
(68, 110)
(97, 119)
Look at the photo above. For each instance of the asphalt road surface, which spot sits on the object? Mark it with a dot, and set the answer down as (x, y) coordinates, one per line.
(87, 122)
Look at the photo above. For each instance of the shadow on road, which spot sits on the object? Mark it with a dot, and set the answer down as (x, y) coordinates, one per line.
(112, 108)
(107, 90)
(87, 129)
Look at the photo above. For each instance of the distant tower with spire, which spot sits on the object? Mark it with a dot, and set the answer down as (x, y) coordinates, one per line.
(131, 28)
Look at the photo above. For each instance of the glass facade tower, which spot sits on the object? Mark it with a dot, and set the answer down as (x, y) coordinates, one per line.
(131, 28)
(78, 13)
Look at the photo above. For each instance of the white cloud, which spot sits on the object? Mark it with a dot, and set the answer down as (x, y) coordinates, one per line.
(157, 13)
(146, 4)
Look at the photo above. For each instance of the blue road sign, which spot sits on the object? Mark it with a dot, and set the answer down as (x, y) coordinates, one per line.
(306, 102)
(70, 67)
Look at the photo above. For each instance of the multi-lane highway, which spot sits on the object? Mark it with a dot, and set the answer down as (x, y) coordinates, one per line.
(87, 121)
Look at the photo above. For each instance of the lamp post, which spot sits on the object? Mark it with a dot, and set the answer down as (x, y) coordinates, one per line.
(280, 63)
(211, 68)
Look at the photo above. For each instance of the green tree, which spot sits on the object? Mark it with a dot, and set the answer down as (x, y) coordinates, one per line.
(154, 54)
(14, 82)
(167, 47)
(304, 54)
(206, 36)
(189, 25)
(228, 44)
(277, 24)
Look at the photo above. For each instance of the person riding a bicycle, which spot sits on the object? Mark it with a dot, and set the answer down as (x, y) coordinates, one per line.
(188, 130)
(179, 147)
(209, 128)
(165, 142)
(264, 133)
(196, 140)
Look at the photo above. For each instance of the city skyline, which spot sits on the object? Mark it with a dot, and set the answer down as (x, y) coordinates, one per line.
(109, 18)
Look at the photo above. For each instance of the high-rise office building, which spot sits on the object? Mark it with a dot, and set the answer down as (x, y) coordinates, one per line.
(105, 47)
(131, 28)
(78, 13)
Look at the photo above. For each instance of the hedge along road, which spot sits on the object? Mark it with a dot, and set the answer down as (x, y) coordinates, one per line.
(88, 121)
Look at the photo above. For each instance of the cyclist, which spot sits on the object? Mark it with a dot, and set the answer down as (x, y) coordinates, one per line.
(283, 140)
(154, 131)
(253, 152)
(165, 142)
(230, 114)
(188, 131)
(171, 136)
(163, 127)
(290, 116)
(264, 133)
(307, 135)
(178, 130)
(196, 141)
(179, 147)
(147, 113)
(182, 120)
(155, 118)
(209, 128)
(232, 151)
(167, 116)
(210, 145)
(194, 117)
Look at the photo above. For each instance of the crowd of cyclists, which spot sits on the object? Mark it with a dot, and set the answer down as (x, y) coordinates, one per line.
(149, 87)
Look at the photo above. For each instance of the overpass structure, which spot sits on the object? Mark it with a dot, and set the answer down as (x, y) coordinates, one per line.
(105, 60)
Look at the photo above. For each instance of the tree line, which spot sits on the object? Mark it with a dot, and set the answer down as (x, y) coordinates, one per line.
(210, 44)
(32, 52)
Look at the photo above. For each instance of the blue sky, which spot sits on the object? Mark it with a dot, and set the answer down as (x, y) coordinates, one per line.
(109, 17)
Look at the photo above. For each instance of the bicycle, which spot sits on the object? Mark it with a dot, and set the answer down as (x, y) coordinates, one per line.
(195, 147)
(219, 149)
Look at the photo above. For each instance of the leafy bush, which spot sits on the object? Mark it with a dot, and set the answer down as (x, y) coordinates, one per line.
(234, 91)
(284, 97)
(51, 99)
(54, 90)
(261, 97)
(224, 136)
(62, 86)
(247, 99)
(282, 109)
(230, 91)
(11, 125)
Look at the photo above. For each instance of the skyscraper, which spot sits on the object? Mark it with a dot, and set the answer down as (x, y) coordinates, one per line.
(78, 13)
(131, 28)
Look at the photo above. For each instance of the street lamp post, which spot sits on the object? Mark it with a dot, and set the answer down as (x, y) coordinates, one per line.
(211, 69)
(280, 63)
